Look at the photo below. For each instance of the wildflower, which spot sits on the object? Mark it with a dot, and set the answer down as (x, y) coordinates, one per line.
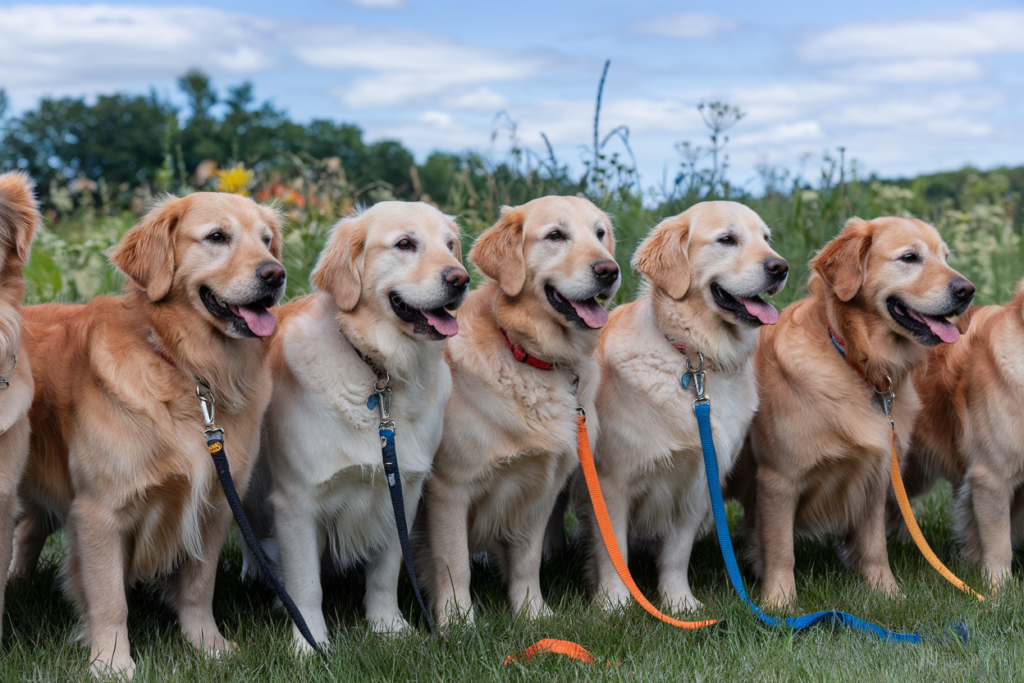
(235, 180)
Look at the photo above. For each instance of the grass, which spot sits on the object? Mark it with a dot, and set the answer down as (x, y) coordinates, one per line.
(40, 626)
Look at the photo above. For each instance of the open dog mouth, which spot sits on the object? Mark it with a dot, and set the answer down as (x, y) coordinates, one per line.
(751, 311)
(436, 323)
(929, 330)
(251, 319)
(587, 313)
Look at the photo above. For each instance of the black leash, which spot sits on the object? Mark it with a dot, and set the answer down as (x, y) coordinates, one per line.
(215, 444)
(386, 429)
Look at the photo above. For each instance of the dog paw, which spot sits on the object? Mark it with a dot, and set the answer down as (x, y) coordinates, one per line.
(682, 602)
(119, 667)
(777, 597)
(614, 600)
(391, 624)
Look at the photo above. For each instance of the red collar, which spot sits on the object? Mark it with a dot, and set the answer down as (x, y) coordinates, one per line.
(523, 356)
(854, 365)
(160, 351)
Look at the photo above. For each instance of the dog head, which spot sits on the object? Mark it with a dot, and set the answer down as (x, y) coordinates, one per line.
(400, 260)
(557, 250)
(716, 252)
(19, 217)
(217, 252)
(897, 268)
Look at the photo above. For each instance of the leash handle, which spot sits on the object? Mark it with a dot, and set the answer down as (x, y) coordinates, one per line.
(608, 533)
(390, 457)
(915, 530)
(215, 444)
(702, 408)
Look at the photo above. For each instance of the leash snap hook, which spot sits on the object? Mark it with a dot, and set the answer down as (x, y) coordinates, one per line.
(699, 376)
(384, 406)
(887, 397)
(207, 402)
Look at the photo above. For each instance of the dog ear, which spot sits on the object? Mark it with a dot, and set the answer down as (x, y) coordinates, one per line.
(338, 271)
(843, 261)
(662, 258)
(146, 252)
(19, 214)
(272, 216)
(498, 252)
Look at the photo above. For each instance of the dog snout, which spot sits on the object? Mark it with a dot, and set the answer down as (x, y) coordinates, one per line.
(456, 277)
(271, 274)
(777, 268)
(962, 292)
(606, 272)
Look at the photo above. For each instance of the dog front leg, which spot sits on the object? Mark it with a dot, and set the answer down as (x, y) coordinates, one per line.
(30, 536)
(674, 560)
(447, 527)
(869, 540)
(382, 572)
(8, 510)
(190, 588)
(611, 592)
(990, 499)
(301, 544)
(777, 500)
(524, 559)
(99, 545)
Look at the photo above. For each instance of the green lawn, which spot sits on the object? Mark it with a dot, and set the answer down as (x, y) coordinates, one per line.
(39, 628)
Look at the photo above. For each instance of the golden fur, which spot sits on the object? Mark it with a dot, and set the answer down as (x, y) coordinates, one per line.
(118, 452)
(509, 440)
(19, 218)
(971, 431)
(648, 456)
(819, 452)
(321, 482)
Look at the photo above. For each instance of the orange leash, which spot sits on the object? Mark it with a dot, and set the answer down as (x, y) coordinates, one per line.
(915, 530)
(561, 647)
(608, 534)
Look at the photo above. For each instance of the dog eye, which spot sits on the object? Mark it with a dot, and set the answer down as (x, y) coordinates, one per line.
(217, 237)
(266, 241)
(600, 233)
(451, 247)
(910, 258)
(555, 236)
(727, 240)
(406, 244)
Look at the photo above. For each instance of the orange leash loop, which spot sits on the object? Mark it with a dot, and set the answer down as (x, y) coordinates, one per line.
(915, 530)
(608, 534)
(561, 647)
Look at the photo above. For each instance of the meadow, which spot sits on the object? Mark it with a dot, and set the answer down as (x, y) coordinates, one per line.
(978, 213)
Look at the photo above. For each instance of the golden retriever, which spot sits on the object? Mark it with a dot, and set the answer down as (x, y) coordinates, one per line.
(820, 452)
(509, 440)
(704, 270)
(19, 219)
(386, 281)
(118, 453)
(971, 431)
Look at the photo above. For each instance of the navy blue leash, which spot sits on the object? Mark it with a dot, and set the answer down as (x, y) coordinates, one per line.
(390, 457)
(702, 408)
(215, 445)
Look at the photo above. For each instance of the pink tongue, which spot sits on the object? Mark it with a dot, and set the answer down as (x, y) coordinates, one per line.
(446, 325)
(261, 322)
(593, 313)
(943, 329)
(762, 310)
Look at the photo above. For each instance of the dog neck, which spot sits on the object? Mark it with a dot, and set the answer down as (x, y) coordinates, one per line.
(12, 291)
(869, 343)
(231, 366)
(407, 359)
(727, 347)
(528, 325)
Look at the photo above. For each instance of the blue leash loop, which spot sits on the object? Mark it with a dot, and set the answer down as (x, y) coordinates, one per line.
(702, 409)
(381, 399)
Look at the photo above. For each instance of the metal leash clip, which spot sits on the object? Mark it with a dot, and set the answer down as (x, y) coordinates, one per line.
(382, 388)
(4, 382)
(208, 403)
(698, 376)
(887, 398)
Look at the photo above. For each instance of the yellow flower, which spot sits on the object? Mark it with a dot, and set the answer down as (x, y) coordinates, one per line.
(235, 180)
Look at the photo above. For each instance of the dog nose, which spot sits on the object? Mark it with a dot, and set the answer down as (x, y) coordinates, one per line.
(963, 291)
(777, 267)
(271, 273)
(606, 271)
(456, 277)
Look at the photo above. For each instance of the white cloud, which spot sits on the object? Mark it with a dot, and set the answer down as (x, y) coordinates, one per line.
(686, 25)
(974, 33)
(377, 4)
(915, 71)
(68, 48)
(783, 133)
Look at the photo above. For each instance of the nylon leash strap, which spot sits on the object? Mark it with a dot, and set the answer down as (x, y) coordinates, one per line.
(215, 445)
(702, 409)
(386, 429)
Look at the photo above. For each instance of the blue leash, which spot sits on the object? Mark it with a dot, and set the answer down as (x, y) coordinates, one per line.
(702, 408)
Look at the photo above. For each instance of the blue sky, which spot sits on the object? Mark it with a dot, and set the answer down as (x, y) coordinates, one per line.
(906, 87)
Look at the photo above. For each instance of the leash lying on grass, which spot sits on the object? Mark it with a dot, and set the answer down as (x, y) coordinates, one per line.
(215, 444)
(887, 396)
